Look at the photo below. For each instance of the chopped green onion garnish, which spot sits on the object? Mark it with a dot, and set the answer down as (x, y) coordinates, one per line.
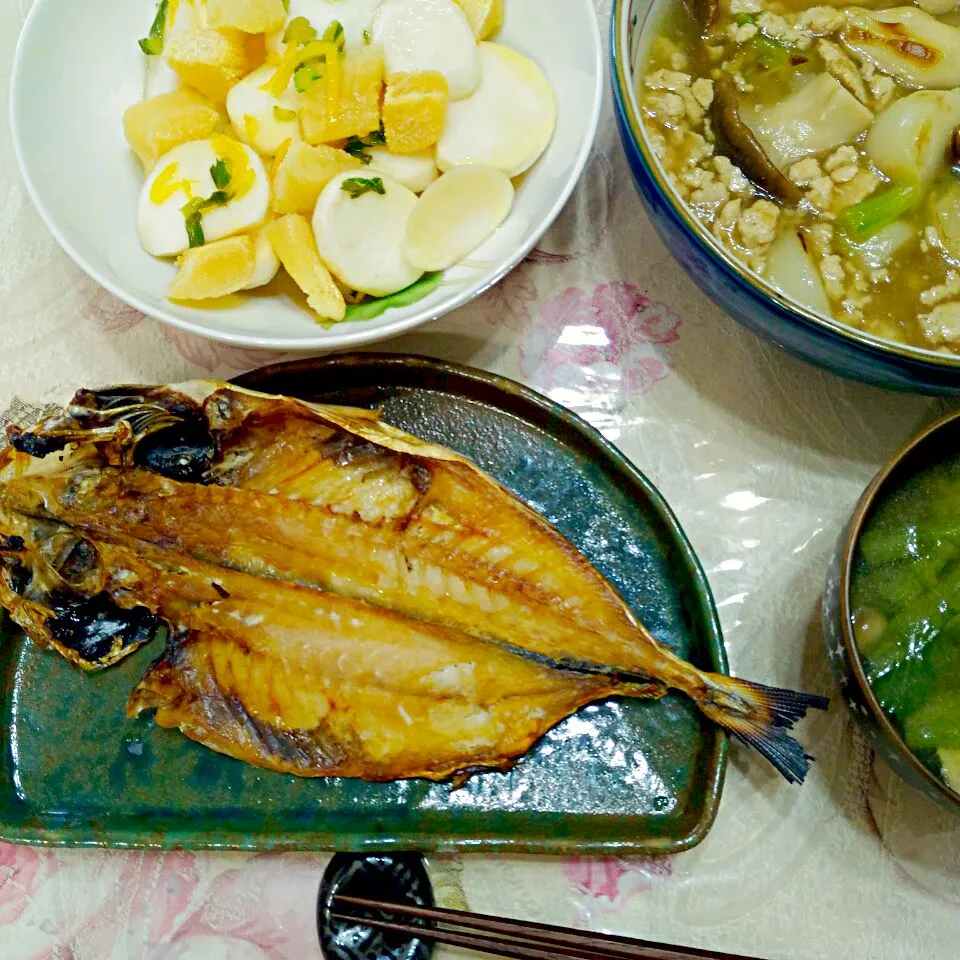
(195, 230)
(218, 198)
(194, 209)
(366, 36)
(356, 148)
(742, 19)
(152, 44)
(299, 31)
(358, 186)
(220, 174)
(867, 217)
(305, 77)
(334, 34)
(283, 116)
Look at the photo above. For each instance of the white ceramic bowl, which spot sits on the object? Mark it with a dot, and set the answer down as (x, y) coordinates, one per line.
(78, 67)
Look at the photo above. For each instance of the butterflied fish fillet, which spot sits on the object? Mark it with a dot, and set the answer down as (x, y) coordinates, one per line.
(138, 499)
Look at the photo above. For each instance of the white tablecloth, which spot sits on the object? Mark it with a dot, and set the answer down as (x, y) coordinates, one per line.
(762, 458)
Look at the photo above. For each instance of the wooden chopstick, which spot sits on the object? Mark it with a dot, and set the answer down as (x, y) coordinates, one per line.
(521, 940)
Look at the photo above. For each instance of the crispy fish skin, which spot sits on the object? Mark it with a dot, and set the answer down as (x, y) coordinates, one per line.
(412, 564)
(336, 502)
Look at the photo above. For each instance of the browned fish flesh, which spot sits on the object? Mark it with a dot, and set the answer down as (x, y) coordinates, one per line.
(343, 598)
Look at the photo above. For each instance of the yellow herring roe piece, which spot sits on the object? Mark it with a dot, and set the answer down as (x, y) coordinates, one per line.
(293, 241)
(211, 61)
(214, 270)
(154, 127)
(349, 105)
(250, 16)
(484, 16)
(414, 109)
(303, 172)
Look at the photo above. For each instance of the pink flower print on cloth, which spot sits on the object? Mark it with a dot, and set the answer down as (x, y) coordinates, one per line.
(113, 315)
(23, 871)
(261, 910)
(510, 303)
(590, 351)
(603, 885)
(211, 355)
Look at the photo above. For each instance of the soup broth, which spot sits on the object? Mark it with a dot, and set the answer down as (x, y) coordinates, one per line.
(905, 598)
(820, 145)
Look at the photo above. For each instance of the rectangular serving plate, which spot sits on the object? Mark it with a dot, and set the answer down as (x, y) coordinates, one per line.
(621, 776)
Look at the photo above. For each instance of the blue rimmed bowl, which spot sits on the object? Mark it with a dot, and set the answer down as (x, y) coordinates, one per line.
(744, 295)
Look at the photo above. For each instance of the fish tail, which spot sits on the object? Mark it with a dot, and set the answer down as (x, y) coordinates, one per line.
(760, 716)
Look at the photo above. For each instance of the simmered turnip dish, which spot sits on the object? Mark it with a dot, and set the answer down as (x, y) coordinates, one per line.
(360, 146)
(820, 146)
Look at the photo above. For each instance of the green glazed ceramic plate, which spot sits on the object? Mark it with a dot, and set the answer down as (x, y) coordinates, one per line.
(624, 776)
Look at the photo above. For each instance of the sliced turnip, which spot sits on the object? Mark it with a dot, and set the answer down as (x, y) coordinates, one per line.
(877, 251)
(267, 263)
(910, 140)
(820, 116)
(456, 214)
(508, 121)
(428, 35)
(360, 232)
(791, 269)
(416, 171)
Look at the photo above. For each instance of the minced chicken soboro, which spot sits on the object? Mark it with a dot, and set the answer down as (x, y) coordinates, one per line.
(820, 146)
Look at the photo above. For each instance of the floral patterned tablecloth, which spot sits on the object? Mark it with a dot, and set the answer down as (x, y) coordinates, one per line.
(761, 457)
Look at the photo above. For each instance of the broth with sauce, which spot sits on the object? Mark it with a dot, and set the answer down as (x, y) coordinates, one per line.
(820, 145)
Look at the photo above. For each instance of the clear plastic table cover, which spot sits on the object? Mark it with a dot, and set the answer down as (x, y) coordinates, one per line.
(761, 457)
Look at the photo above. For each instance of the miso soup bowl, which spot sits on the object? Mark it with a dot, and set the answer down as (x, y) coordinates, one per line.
(733, 287)
(842, 651)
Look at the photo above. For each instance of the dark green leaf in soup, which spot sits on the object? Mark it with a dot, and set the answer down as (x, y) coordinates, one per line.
(936, 724)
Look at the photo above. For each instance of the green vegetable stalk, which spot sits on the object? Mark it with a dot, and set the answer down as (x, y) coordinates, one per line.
(334, 34)
(195, 230)
(370, 309)
(869, 216)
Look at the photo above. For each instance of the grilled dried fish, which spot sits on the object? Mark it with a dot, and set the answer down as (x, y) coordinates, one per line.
(381, 577)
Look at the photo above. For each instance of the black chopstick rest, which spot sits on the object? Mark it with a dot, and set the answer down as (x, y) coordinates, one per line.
(393, 877)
